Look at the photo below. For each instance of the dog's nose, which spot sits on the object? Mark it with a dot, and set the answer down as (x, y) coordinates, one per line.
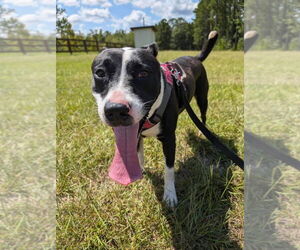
(116, 112)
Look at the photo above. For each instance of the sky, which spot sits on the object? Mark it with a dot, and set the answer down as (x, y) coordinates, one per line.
(111, 15)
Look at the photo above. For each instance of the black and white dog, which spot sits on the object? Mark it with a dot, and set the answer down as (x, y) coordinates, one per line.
(128, 85)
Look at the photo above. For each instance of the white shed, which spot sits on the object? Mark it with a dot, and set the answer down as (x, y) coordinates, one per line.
(143, 35)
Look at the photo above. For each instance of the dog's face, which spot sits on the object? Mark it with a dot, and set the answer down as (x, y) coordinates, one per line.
(126, 83)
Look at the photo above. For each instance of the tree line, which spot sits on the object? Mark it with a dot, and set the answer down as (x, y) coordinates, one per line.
(276, 21)
(176, 33)
(224, 16)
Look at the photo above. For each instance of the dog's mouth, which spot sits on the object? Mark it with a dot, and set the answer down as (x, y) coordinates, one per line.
(125, 167)
(126, 120)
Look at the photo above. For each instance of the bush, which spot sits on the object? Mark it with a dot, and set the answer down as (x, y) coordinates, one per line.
(222, 44)
(295, 44)
(240, 45)
(266, 44)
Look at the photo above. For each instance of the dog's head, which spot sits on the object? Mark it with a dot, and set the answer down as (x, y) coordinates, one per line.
(126, 83)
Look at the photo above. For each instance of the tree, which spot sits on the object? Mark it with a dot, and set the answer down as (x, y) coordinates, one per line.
(120, 36)
(11, 27)
(201, 23)
(236, 22)
(224, 16)
(182, 34)
(96, 35)
(276, 21)
(163, 34)
(63, 26)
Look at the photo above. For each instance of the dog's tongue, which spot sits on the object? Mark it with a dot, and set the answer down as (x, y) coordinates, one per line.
(125, 167)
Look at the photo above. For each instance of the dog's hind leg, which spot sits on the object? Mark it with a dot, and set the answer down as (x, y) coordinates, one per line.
(201, 93)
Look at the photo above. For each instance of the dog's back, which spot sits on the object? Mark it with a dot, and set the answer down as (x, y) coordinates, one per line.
(195, 78)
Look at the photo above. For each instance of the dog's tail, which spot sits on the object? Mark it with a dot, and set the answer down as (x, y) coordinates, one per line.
(249, 39)
(208, 45)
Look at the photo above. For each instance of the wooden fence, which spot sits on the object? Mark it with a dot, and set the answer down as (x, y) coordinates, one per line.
(8, 45)
(68, 45)
(84, 45)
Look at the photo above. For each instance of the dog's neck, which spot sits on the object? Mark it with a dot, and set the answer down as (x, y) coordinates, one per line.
(159, 99)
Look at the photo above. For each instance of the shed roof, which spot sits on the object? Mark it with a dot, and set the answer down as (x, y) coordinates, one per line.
(144, 27)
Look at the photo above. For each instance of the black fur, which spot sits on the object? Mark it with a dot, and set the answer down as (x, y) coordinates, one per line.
(196, 83)
(107, 67)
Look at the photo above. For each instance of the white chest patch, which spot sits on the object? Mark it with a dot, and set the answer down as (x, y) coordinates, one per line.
(154, 131)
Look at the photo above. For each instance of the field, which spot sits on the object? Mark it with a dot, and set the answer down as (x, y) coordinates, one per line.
(272, 111)
(27, 149)
(95, 213)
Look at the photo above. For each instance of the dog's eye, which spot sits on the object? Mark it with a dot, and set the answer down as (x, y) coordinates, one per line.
(142, 74)
(100, 73)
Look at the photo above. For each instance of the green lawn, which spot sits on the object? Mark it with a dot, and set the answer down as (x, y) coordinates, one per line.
(272, 100)
(27, 149)
(96, 213)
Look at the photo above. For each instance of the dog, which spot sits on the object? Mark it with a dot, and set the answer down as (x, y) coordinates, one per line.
(128, 87)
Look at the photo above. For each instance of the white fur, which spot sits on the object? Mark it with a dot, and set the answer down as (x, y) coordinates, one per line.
(183, 72)
(154, 131)
(100, 103)
(136, 104)
(159, 99)
(127, 48)
(170, 196)
(125, 59)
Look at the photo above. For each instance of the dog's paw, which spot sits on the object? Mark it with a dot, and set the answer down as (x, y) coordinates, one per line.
(170, 197)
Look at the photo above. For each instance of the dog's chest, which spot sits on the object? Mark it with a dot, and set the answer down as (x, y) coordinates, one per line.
(153, 131)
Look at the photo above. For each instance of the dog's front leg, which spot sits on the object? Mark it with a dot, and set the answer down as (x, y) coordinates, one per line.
(141, 152)
(169, 147)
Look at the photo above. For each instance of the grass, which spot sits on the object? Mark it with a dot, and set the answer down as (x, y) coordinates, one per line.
(95, 213)
(27, 149)
(272, 112)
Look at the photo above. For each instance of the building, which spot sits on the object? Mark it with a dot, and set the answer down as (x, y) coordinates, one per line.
(143, 35)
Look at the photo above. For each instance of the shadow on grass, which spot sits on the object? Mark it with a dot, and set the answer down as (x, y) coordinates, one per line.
(202, 182)
(263, 185)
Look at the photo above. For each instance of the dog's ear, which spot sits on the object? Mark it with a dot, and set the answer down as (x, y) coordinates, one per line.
(151, 48)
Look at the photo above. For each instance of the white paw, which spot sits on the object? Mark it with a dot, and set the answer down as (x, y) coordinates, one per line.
(170, 197)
